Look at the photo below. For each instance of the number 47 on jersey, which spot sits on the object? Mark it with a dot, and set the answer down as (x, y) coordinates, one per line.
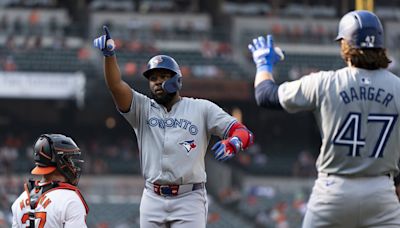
(349, 134)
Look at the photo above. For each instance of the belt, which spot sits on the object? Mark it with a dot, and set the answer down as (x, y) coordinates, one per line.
(173, 189)
(320, 174)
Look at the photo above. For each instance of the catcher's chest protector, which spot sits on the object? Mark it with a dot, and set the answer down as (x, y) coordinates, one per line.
(36, 192)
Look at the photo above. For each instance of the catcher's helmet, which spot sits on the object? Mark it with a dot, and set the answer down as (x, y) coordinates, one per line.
(362, 29)
(56, 151)
(166, 62)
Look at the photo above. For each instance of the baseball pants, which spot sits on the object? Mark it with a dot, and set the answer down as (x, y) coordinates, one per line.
(350, 202)
(186, 210)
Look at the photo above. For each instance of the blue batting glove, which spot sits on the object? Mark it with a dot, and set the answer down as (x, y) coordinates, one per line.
(226, 149)
(265, 55)
(105, 43)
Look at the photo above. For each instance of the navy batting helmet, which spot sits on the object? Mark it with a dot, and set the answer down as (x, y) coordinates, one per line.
(57, 152)
(173, 84)
(362, 29)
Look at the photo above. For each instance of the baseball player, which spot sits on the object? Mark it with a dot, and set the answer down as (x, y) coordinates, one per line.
(54, 200)
(173, 133)
(357, 110)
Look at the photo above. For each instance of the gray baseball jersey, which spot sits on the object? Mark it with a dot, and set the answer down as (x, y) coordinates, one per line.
(173, 144)
(357, 113)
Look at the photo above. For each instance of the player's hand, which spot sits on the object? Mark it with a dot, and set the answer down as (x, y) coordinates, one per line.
(226, 149)
(265, 55)
(105, 43)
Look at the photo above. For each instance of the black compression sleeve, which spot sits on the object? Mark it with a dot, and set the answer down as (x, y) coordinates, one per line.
(266, 94)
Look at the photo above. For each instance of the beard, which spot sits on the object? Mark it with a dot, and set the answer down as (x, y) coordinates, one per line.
(163, 99)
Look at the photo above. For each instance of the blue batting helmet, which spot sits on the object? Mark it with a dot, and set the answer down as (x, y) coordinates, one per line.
(362, 29)
(173, 84)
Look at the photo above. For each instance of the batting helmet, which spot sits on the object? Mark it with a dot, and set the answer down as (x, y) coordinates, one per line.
(362, 29)
(173, 84)
(57, 152)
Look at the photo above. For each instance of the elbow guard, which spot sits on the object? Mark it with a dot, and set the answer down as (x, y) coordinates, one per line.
(241, 131)
(266, 94)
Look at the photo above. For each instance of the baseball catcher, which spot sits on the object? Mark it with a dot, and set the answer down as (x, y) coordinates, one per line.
(54, 200)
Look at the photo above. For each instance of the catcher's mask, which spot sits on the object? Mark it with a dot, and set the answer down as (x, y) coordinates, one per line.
(57, 152)
(173, 84)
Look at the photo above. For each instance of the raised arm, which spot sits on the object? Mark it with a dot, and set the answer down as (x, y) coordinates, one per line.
(265, 56)
(120, 90)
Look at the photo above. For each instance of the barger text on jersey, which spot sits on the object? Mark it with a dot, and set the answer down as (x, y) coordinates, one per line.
(173, 123)
(366, 94)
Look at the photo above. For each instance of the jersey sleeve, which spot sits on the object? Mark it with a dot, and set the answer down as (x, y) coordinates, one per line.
(14, 215)
(16, 211)
(133, 116)
(75, 213)
(218, 121)
(301, 94)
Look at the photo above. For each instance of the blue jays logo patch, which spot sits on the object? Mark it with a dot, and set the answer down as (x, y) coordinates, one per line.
(156, 60)
(189, 145)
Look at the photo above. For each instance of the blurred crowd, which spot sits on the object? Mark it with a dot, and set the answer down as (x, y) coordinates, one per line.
(21, 55)
(266, 206)
(102, 155)
(119, 155)
(213, 57)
